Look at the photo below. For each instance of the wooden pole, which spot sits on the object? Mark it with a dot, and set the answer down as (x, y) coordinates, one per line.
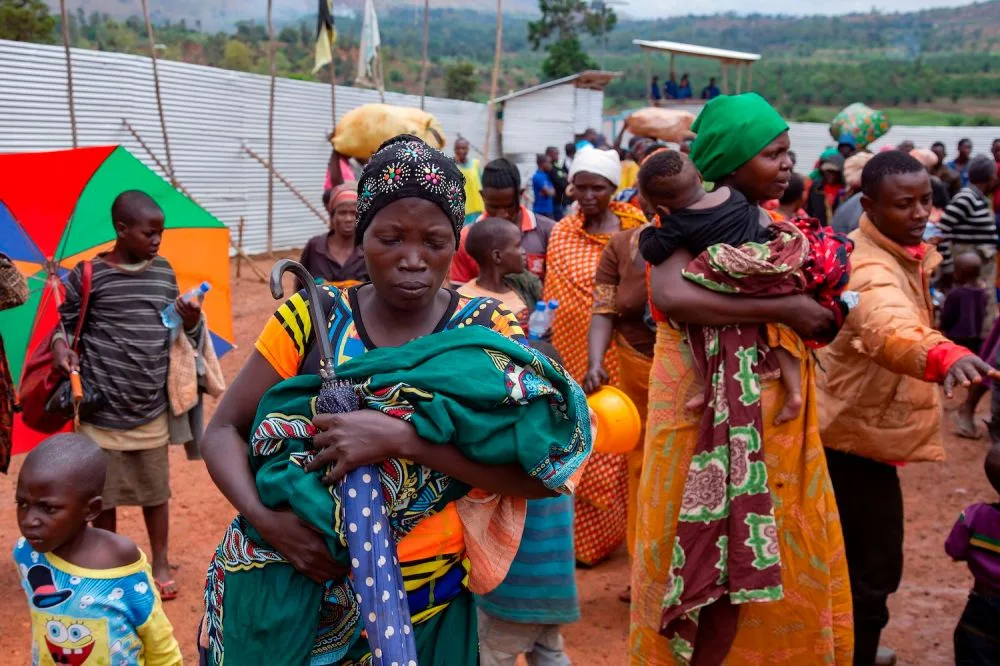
(739, 79)
(284, 181)
(159, 98)
(240, 252)
(426, 64)
(239, 247)
(749, 87)
(725, 78)
(649, 76)
(270, 129)
(333, 86)
(69, 71)
(152, 156)
(491, 107)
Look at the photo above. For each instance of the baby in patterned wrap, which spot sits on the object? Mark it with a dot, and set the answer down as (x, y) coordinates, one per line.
(90, 592)
(696, 220)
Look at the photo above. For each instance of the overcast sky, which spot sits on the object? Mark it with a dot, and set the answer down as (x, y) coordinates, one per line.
(661, 8)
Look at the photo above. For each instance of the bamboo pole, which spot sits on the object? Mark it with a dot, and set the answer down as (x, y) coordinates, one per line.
(426, 64)
(270, 129)
(69, 70)
(333, 82)
(491, 107)
(284, 181)
(159, 98)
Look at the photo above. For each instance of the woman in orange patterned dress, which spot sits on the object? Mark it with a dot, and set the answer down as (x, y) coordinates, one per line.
(745, 146)
(574, 251)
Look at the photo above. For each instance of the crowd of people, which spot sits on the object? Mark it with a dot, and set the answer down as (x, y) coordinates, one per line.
(671, 89)
(784, 338)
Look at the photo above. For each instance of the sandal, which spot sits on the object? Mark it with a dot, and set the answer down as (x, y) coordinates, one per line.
(167, 589)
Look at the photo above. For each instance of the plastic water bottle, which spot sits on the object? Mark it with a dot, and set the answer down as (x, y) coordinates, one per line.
(550, 314)
(538, 324)
(171, 319)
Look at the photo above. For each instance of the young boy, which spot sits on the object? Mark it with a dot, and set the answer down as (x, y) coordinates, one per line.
(878, 406)
(695, 219)
(974, 540)
(90, 592)
(524, 614)
(495, 245)
(965, 306)
(124, 351)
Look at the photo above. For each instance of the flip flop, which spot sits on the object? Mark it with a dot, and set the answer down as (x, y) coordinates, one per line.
(167, 589)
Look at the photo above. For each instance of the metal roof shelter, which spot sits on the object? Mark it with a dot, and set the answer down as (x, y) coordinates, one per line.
(550, 114)
(738, 59)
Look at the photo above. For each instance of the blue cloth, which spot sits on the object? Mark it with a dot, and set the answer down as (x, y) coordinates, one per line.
(544, 203)
(540, 587)
(583, 143)
(655, 91)
(684, 92)
(670, 87)
(710, 92)
(962, 171)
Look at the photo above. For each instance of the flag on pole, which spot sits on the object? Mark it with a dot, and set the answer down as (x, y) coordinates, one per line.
(326, 36)
(369, 67)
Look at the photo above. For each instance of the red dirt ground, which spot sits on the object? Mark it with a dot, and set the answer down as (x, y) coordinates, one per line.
(924, 611)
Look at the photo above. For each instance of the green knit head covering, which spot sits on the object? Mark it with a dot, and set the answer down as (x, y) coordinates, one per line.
(731, 130)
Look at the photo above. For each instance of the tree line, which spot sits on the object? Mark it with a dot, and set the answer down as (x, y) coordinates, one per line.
(881, 59)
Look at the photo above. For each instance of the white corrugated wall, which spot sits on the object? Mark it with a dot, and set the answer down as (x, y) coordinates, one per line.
(210, 113)
(589, 110)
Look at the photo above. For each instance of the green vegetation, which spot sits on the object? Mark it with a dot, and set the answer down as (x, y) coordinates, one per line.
(26, 21)
(937, 66)
(564, 20)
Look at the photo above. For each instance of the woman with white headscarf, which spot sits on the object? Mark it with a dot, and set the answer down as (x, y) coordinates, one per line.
(574, 251)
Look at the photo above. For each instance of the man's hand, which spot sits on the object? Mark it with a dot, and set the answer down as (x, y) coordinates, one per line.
(967, 371)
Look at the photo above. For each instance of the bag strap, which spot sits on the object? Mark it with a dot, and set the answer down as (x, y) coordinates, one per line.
(86, 284)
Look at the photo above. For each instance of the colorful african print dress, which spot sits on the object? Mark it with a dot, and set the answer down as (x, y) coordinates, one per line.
(573, 255)
(433, 548)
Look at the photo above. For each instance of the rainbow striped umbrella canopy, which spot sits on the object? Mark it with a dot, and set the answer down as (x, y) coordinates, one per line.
(55, 211)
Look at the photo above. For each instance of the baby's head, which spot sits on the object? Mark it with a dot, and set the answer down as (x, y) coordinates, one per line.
(495, 243)
(968, 268)
(668, 179)
(59, 490)
(993, 466)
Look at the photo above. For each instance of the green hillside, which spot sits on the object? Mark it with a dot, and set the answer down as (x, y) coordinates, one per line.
(942, 64)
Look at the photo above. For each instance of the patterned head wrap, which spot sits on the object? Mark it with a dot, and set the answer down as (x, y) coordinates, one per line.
(404, 167)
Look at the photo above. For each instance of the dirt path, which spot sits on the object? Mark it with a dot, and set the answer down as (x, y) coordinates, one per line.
(924, 611)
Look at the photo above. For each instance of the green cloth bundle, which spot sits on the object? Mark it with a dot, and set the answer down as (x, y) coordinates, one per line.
(499, 401)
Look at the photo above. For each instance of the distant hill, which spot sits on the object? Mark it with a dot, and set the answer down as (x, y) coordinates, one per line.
(223, 14)
(940, 60)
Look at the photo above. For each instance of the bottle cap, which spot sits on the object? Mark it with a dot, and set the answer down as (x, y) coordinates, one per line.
(539, 306)
(204, 287)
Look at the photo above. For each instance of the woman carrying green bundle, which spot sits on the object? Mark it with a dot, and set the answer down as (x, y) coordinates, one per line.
(427, 427)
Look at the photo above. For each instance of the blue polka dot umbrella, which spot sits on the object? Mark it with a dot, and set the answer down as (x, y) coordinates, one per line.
(377, 577)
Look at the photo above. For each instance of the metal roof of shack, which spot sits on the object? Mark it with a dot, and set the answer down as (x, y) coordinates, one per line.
(592, 79)
(697, 51)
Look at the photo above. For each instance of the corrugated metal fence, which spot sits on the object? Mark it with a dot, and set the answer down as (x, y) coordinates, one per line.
(210, 114)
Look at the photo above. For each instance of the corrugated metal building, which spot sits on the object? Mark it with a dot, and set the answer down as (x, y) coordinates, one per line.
(550, 114)
(210, 114)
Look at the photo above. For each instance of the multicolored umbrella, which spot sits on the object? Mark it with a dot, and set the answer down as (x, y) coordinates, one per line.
(55, 211)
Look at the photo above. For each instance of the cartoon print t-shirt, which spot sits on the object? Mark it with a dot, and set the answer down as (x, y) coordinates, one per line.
(91, 617)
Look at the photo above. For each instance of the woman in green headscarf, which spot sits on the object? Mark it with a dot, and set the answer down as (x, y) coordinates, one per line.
(742, 143)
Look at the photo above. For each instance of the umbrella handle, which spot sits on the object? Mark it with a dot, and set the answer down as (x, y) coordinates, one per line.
(282, 266)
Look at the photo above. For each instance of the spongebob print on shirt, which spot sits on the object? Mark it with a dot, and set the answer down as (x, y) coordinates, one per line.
(86, 617)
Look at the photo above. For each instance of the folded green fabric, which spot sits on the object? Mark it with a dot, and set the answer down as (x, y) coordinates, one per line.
(499, 401)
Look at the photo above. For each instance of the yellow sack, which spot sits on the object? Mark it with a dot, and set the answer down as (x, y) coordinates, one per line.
(362, 130)
(662, 124)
